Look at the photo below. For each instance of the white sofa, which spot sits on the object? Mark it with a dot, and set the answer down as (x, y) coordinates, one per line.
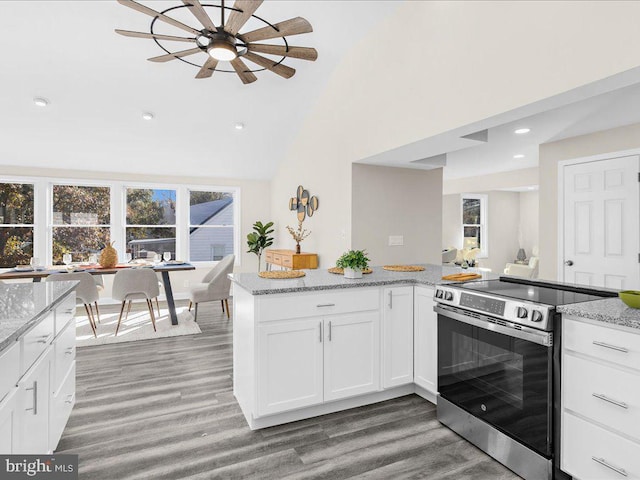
(529, 270)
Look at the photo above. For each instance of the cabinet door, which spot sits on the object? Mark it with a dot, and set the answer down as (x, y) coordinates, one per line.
(351, 354)
(426, 340)
(33, 408)
(397, 336)
(8, 422)
(289, 365)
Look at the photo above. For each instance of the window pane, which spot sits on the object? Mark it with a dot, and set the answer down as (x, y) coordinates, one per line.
(16, 203)
(146, 206)
(80, 242)
(210, 243)
(471, 237)
(16, 246)
(471, 211)
(144, 242)
(74, 205)
(211, 208)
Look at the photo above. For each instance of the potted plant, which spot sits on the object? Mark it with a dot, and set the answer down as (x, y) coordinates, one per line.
(353, 263)
(259, 239)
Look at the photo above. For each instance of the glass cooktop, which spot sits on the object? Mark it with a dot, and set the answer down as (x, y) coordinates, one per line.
(546, 295)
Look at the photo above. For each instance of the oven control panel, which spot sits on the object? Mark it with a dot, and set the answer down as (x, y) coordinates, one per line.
(523, 313)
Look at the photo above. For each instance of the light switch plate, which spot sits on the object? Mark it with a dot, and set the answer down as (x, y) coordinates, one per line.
(396, 240)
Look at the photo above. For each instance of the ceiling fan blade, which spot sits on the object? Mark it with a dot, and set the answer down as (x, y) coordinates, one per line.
(237, 19)
(152, 13)
(293, 26)
(199, 12)
(174, 55)
(242, 70)
(278, 68)
(208, 68)
(303, 53)
(129, 33)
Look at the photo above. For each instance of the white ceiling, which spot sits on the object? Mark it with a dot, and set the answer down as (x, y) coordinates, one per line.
(99, 84)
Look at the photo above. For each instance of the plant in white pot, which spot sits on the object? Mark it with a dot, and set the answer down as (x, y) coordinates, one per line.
(353, 263)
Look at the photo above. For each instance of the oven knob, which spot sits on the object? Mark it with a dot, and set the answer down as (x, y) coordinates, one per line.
(536, 316)
(438, 293)
(522, 312)
(448, 296)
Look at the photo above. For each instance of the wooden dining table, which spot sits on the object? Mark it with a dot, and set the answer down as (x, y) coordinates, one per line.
(163, 269)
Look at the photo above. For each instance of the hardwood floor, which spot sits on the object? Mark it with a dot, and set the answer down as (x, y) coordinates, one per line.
(164, 409)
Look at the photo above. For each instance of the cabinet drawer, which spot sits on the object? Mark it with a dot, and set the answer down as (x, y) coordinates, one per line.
(587, 450)
(287, 261)
(602, 342)
(65, 312)
(268, 256)
(65, 354)
(61, 405)
(602, 393)
(318, 304)
(277, 258)
(9, 369)
(35, 341)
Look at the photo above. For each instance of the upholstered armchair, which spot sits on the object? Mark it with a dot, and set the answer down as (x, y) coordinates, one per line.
(529, 270)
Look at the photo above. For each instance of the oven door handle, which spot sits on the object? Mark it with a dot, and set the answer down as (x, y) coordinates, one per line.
(523, 333)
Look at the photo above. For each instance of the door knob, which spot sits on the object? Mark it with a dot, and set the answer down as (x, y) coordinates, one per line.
(568, 263)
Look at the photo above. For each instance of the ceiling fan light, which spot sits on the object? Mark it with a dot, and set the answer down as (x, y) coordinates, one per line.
(222, 49)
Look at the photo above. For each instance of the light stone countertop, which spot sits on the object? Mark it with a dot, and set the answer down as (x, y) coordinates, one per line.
(23, 305)
(323, 280)
(609, 310)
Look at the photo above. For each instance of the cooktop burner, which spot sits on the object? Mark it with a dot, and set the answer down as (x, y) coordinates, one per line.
(545, 295)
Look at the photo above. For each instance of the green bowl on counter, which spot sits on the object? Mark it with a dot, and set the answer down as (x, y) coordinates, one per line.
(630, 297)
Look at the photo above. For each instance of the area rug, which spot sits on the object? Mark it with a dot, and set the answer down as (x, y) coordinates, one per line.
(137, 327)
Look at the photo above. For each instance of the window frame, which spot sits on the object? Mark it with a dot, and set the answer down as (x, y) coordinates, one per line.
(36, 213)
(484, 234)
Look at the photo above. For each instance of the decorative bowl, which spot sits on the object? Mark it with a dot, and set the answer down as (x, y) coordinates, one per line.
(630, 297)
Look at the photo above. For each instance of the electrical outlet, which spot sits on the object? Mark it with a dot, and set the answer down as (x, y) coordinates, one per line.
(396, 240)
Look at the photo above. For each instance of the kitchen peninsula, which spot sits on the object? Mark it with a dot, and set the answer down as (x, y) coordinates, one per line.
(37, 364)
(322, 343)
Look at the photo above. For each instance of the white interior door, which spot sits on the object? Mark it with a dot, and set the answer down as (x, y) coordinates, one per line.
(601, 225)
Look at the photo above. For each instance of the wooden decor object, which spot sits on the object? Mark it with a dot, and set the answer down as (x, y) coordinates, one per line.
(108, 257)
(291, 259)
(403, 268)
(340, 271)
(282, 274)
(462, 277)
(303, 203)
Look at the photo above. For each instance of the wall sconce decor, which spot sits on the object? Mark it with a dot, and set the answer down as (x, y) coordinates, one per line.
(304, 204)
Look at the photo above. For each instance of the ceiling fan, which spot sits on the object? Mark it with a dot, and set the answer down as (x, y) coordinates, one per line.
(224, 42)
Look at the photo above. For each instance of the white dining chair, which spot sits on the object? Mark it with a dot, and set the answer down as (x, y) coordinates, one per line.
(86, 292)
(135, 284)
(214, 286)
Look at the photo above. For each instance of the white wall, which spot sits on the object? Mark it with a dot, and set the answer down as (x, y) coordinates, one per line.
(467, 61)
(529, 212)
(254, 204)
(396, 201)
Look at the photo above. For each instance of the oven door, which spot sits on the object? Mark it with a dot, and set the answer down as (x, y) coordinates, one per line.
(504, 379)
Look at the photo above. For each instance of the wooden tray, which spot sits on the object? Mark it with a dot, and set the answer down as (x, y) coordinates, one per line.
(282, 274)
(403, 268)
(462, 277)
(340, 271)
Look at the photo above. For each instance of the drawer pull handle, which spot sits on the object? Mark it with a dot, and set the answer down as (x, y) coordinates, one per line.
(329, 331)
(69, 351)
(603, 462)
(391, 300)
(610, 400)
(70, 398)
(320, 325)
(320, 305)
(34, 389)
(45, 338)
(612, 347)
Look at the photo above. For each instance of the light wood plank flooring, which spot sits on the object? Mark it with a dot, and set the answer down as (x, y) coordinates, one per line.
(164, 409)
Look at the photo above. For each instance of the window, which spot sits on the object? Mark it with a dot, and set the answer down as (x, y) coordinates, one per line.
(16, 224)
(150, 222)
(80, 223)
(474, 221)
(211, 219)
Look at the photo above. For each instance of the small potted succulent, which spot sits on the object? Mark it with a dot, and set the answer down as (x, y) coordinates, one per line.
(353, 263)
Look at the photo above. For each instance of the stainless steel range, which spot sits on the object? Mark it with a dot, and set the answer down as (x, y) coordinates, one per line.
(497, 340)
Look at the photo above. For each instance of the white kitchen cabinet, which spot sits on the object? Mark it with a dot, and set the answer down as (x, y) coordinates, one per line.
(8, 414)
(397, 336)
(289, 365)
(32, 436)
(600, 438)
(351, 354)
(425, 340)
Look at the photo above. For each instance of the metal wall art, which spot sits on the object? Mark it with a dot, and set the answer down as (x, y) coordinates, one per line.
(304, 204)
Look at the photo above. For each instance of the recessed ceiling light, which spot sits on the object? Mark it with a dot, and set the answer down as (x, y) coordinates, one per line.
(41, 102)
(147, 116)
(520, 131)
(239, 126)
(519, 155)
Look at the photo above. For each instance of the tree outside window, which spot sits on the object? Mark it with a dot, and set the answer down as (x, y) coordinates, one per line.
(150, 222)
(474, 221)
(16, 224)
